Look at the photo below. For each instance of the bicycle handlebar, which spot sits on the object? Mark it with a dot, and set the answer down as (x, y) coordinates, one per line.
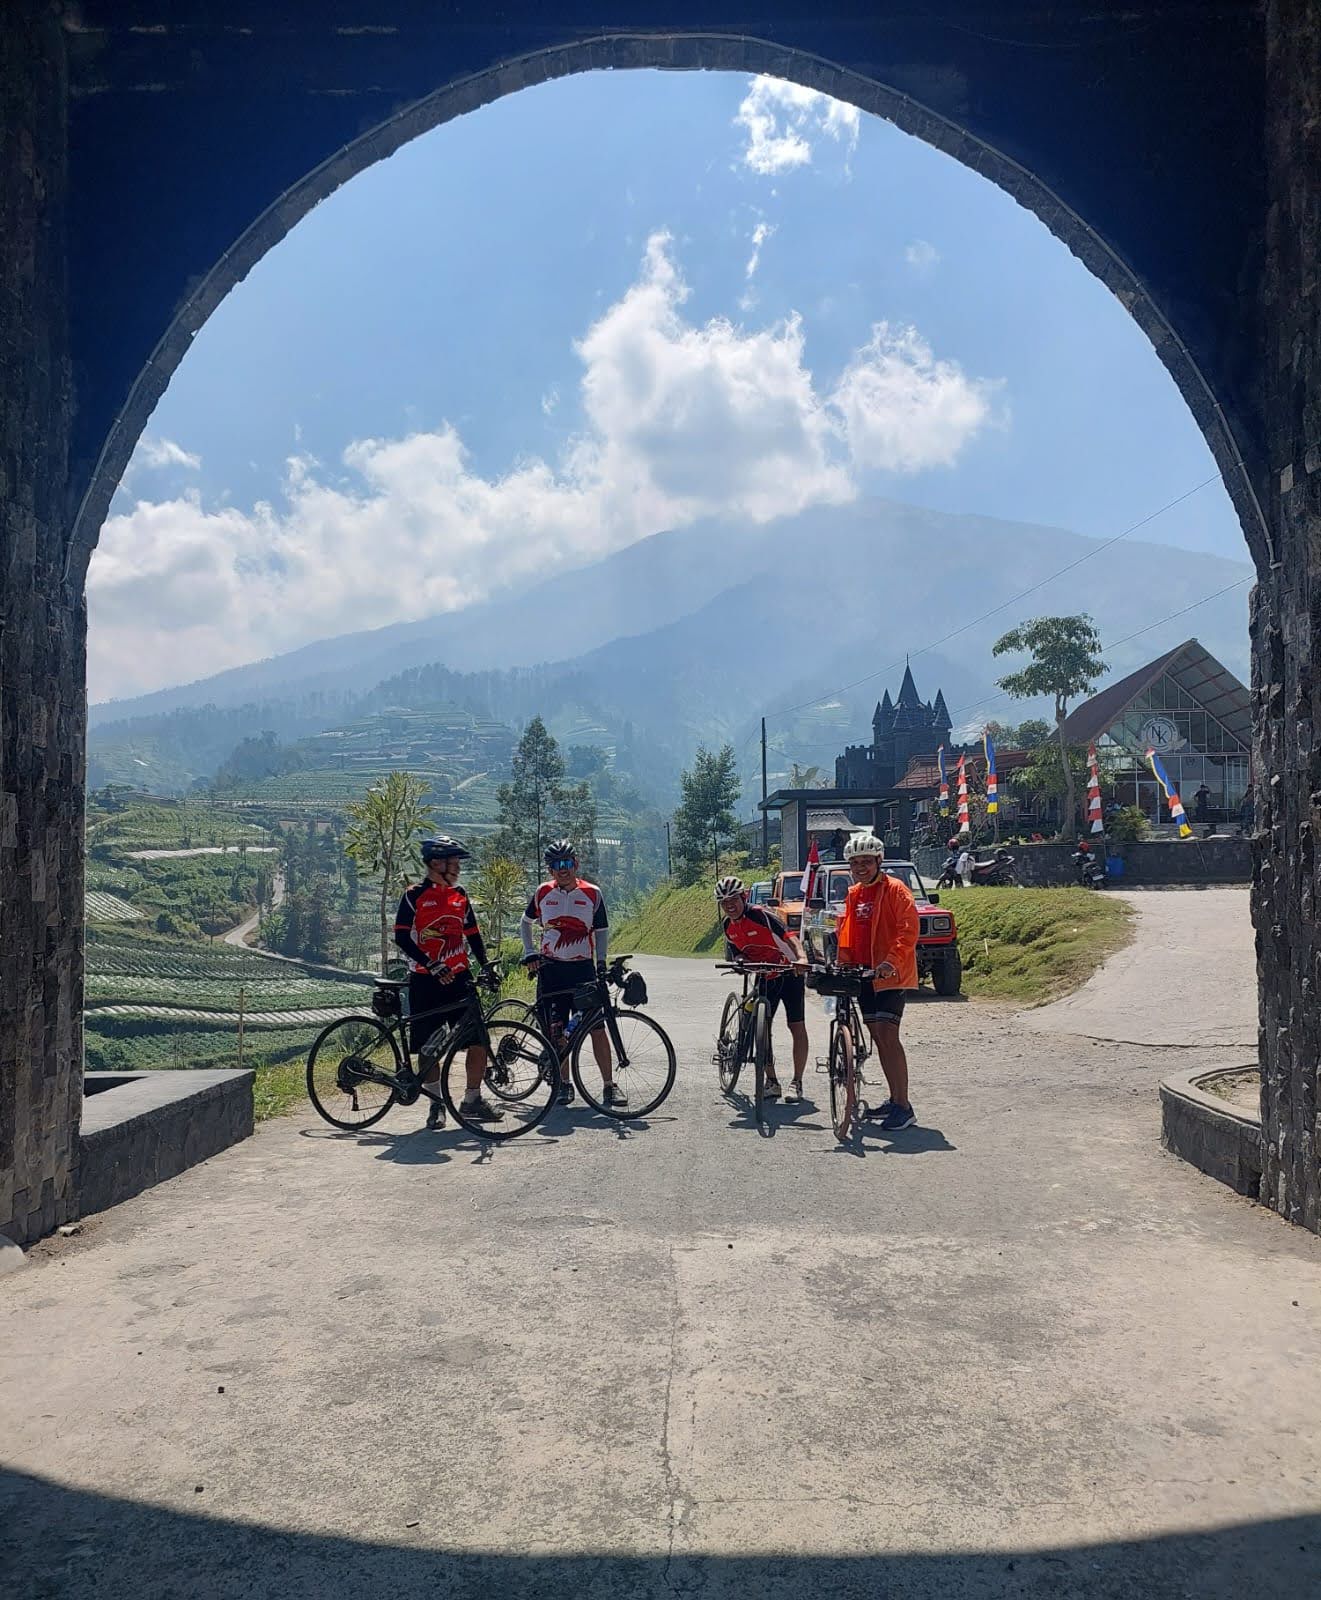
(753, 967)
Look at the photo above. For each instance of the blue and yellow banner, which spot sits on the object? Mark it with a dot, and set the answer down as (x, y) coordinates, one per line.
(992, 785)
(1177, 812)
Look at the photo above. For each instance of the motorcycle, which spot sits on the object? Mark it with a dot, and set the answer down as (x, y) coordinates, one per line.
(997, 873)
(1090, 869)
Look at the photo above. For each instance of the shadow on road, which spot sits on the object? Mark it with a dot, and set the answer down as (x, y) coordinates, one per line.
(62, 1543)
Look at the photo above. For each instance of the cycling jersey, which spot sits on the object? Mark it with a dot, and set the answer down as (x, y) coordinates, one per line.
(432, 923)
(758, 936)
(573, 922)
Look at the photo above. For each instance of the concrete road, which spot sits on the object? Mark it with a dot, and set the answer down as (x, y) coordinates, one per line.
(1016, 1351)
(1188, 979)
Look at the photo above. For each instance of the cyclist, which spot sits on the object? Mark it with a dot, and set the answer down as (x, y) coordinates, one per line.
(575, 933)
(878, 930)
(754, 934)
(435, 927)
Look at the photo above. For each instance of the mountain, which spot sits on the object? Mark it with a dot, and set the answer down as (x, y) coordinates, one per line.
(694, 634)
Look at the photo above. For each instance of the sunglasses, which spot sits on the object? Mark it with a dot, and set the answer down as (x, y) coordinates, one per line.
(563, 864)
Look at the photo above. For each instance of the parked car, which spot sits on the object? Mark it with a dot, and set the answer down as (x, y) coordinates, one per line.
(786, 899)
(760, 893)
(938, 955)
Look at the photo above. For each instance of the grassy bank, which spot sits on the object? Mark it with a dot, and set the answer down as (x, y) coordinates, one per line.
(1027, 945)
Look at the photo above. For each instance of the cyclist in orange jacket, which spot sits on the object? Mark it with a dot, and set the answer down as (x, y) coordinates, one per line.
(879, 931)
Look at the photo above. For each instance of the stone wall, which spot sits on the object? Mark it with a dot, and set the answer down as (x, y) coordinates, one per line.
(1173, 862)
(1286, 624)
(42, 672)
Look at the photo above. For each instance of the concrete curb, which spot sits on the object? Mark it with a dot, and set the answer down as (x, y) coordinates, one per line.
(1218, 1138)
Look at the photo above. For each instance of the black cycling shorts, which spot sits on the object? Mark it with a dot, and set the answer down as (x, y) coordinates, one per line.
(790, 990)
(556, 981)
(432, 1004)
(887, 1005)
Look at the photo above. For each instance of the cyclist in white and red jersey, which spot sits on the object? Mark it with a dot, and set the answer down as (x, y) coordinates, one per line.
(575, 930)
(435, 926)
(756, 935)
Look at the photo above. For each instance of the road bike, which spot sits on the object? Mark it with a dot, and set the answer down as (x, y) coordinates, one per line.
(850, 1043)
(745, 1029)
(643, 1061)
(360, 1066)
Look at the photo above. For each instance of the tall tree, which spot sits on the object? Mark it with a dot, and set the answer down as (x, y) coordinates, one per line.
(706, 814)
(529, 801)
(1066, 662)
(381, 837)
(498, 885)
(575, 816)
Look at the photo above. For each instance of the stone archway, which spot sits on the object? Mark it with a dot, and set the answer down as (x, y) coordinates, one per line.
(1264, 430)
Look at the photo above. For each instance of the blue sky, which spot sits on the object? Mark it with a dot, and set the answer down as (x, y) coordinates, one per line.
(599, 307)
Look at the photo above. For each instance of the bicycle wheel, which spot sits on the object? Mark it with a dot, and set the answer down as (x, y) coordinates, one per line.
(511, 1011)
(525, 1062)
(339, 1068)
(503, 1082)
(728, 1060)
(643, 1058)
(761, 1049)
(842, 1091)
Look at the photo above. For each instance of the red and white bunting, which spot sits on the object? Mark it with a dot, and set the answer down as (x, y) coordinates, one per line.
(964, 825)
(1094, 792)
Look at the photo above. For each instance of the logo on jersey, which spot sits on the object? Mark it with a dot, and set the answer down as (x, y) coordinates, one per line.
(570, 931)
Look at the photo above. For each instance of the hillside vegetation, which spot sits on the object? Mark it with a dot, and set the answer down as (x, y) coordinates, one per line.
(1026, 945)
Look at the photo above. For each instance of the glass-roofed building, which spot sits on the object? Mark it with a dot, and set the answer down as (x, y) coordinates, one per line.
(1193, 712)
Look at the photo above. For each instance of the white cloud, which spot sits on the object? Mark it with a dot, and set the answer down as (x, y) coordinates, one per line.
(781, 121)
(155, 453)
(760, 234)
(922, 255)
(904, 411)
(680, 420)
(550, 400)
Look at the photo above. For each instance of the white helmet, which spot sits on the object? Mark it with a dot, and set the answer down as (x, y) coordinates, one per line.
(729, 886)
(864, 843)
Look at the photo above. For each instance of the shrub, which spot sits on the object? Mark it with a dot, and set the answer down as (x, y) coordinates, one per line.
(1127, 825)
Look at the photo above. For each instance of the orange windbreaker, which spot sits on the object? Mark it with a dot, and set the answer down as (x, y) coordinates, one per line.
(880, 923)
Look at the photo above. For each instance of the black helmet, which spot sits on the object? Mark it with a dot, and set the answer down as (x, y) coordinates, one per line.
(559, 850)
(440, 849)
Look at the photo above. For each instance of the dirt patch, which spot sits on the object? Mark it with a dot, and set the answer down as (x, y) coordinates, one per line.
(1240, 1086)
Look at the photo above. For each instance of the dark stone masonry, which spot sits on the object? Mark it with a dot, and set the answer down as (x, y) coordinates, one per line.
(151, 154)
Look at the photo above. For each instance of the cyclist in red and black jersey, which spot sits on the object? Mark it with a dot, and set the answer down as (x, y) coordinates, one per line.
(756, 935)
(435, 927)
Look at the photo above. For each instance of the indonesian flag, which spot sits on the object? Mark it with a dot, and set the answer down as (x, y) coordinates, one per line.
(1171, 794)
(944, 782)
(964, 826)
(809, 877)
(992, 787)
(1094, 792)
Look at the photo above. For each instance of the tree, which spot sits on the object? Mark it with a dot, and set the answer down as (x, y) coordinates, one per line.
(529, 801)
(1035, 731)
(1066, 662)
(706, 815)
(380, 837)
(575, 815)
(498, 885)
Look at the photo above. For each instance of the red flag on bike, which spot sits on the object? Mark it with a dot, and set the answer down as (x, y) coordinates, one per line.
(809, 877)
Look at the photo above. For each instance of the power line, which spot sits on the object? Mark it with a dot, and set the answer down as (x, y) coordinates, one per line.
(1003, 606)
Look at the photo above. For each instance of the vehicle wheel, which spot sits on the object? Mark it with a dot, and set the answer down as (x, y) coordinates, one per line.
(761, 1049)
(645, 1071)
(948, 977)
(339, 1065)
(842, 1091)
(500, 1080)
(527, 1065)
(727, 1057)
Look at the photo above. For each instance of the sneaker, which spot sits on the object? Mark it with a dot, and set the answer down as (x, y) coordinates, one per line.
(614, 1095)
(772, 1091)
(793, 1095)
(565, 1095)
(883, 1110)
(435, 1116)
(481, 1110)
(897, 1118)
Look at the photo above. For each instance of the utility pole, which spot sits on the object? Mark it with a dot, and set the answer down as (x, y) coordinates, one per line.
(242, 997)
(669, 865)
(765, 815)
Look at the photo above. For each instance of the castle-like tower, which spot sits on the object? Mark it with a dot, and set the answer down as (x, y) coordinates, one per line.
(901, 729)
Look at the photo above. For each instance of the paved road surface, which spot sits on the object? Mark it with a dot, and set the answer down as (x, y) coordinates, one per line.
(1020, 1351)
(1188, 979)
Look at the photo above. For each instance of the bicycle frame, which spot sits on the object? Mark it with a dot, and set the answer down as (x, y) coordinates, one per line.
(409, 1085)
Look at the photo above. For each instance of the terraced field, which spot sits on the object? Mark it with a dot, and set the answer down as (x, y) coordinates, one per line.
(104, 907)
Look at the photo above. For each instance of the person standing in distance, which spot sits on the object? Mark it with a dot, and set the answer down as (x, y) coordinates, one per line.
(435, 927)
(879, 931)
(575, 933)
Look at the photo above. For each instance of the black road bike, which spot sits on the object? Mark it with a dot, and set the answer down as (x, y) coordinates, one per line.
(745, 1030)
(850, 1044)
(360, 1066)
(643, 1061)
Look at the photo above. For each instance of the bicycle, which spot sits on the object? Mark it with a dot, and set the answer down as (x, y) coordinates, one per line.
(850, 1043)
(745, 1029)
(360, 1066)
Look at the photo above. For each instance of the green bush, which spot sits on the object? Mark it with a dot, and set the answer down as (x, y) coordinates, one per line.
(1127, 825)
